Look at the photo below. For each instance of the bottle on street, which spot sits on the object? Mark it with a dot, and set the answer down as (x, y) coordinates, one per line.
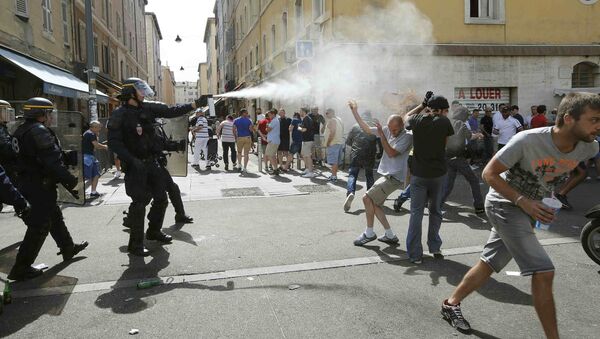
(149, 283)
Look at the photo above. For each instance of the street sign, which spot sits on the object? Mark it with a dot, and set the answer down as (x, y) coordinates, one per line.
(304, 49)
(482, 97)
(304, 66)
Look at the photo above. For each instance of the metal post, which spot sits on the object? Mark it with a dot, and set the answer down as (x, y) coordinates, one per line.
(260, 155)
(89, 34)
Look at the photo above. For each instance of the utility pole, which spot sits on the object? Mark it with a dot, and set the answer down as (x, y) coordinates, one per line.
(89, 34)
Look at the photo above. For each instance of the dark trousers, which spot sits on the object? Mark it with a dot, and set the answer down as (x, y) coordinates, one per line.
(173, 192)
(142, 185)
(488, 144)
(226, 147)
(461, 166)
(45, 217)
(353, 175)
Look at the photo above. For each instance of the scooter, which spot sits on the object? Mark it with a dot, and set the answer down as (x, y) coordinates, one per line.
(590, 234)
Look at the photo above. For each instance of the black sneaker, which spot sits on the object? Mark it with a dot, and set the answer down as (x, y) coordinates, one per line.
(24, 274)
(398, 203)
(564, 201)
(480, 210)
(454, 316)
(160, 237)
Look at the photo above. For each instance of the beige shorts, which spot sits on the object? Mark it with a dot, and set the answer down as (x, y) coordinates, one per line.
(271, 149)
(244, 144)
(382, 189)
(306, 148)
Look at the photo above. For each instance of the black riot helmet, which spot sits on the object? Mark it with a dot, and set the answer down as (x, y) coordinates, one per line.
(37, 107)
(131, 86)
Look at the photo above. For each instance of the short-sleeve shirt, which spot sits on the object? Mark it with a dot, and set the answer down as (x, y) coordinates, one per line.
(285, 130)
(536, 166)
(273, 135)
(262, 127)
(202, 122)
(296, 134)
(88, 138)
(487, 123)
(308, 124)
(227, 131)
(242, 126)
(539, 121)
(429, 141)
(395, 166)
(473, 124)
(317, 120)
(507, 128)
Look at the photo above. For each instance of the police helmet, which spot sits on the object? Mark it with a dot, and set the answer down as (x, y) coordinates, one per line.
(37, 107)
(131, 86)
(6, 111)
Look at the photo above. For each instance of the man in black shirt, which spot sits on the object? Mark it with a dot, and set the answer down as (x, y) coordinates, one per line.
(514, 111)
(487, 126)
(428, 169)
(308, 138)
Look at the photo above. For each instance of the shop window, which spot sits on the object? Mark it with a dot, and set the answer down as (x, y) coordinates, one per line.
(585, 74)
(484, 12)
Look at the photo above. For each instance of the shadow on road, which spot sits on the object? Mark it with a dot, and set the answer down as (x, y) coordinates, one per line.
(124, 299)
(453, 272)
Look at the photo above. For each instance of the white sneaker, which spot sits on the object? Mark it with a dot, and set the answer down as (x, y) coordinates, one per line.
(117, 175)
(348, 202)
(309, 175)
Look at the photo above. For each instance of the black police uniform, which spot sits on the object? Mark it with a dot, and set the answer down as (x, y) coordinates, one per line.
(8, 157)
(9, 194)
(40, 168)
(132, 136)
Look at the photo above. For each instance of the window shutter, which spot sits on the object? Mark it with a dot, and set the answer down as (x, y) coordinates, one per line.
(22, 8)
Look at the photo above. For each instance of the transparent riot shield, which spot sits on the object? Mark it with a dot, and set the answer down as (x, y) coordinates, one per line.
(176, 130)
(69, 130)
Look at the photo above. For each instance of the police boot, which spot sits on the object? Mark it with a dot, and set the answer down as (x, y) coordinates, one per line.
(26, 273)
(159, 236)
(183, 218)
(69, 252)
(28, 251)
(136, 235)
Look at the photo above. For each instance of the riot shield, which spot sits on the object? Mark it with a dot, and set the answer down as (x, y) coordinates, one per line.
(176, 130)
(69, 130)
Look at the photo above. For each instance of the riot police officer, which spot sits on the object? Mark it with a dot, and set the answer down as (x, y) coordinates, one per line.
(10, 195)
(131, 135)
(40, 167)
(7, 155)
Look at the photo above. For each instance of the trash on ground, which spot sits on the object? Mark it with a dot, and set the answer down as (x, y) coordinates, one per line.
(293, 287)
(250, 278)
(134, 331)
(513, 273)
(41, 266)
(149, 283)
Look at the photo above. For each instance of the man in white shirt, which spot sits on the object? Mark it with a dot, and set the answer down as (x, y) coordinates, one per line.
(201, 131)
(505, 127)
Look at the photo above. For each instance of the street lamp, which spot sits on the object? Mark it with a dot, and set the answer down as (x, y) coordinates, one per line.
(181, 69)
(178, 39)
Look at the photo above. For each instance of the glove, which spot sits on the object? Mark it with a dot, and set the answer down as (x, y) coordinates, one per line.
(202, 101)
(428, 96)
(70, 158)
(22, 210)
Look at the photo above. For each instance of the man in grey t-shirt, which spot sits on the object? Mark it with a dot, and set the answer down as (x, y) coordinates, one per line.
(527, 169)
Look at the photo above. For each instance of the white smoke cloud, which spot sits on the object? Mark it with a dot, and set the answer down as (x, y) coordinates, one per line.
(376, 58)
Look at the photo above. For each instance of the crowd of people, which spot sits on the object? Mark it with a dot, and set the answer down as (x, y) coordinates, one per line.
(422, 149)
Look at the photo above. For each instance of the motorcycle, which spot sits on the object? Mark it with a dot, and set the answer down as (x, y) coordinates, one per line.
(590, 234)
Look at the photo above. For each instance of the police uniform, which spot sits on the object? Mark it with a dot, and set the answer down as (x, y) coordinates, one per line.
(40, 167)
(131, 135)
(9, 194)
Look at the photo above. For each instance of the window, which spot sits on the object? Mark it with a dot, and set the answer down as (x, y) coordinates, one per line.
(318, 8)
(105, 59)
(246, 64)
(96, 56)
(109, 17)
(484, 11)
(65, 20)
(273, 39)
(256, 53)
(47, 14)
(81, 51)
(251, 59)
(22, 8)
(130, 43)
(105, 10)
(246, 19)
(284, 22)
(299, 17)
(585, 74)
(122, 70)
(264, 46)
(113, 64)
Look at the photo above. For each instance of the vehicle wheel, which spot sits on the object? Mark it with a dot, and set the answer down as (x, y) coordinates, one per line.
(590, 240)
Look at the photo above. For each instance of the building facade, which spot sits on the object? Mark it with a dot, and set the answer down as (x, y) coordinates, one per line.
(36, 54)
(120, 48)
(168, 86)
(185, 92)
(153, 38)
(479, 52)
(203, 84)
(210, 39)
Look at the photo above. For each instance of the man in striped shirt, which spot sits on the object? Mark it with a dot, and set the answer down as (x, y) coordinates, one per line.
(226, 132)
(201, 130)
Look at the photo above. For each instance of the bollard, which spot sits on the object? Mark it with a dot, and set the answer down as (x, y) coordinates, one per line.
(260, 155)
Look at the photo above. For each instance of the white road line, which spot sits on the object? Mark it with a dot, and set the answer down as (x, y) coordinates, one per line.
(255, 271)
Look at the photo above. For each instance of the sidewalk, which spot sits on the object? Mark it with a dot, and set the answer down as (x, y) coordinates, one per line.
(220, 184)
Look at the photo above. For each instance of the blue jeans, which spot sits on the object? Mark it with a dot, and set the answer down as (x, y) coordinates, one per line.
(425, 191)
(461, 165)
(353, 174)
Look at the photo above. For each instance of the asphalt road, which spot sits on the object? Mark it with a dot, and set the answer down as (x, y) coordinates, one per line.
(285, 267)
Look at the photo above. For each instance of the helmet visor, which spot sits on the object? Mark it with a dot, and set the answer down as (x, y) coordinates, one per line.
(143, 88)
(7, 114)
(51, 118)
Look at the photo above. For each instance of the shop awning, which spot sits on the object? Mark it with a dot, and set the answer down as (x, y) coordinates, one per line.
(564, 91)
(56, 81)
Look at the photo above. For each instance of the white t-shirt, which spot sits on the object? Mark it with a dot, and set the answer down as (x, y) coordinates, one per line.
(396, 166)
(507, 128)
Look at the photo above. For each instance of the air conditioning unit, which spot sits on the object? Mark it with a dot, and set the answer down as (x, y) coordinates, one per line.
(290, 55)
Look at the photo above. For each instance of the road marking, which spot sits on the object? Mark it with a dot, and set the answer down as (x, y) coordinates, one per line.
(255, 271)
